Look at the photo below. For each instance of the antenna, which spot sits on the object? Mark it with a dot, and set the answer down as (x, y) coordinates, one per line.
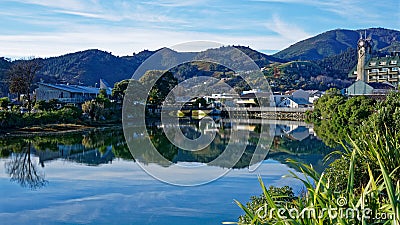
(365, 34)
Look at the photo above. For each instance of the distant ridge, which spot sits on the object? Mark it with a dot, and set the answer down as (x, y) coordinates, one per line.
(337, 41)
(330, 54)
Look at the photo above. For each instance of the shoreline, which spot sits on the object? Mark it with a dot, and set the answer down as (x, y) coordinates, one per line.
(54, 129)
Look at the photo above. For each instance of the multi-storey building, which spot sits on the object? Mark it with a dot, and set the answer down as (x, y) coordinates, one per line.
(376, 69)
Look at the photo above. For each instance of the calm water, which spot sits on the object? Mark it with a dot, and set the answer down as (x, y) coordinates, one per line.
(92, 178)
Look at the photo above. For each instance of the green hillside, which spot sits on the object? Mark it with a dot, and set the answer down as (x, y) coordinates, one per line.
(337, 41)
(319, 62)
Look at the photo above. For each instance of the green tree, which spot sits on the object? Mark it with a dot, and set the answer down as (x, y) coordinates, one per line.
(118, 92)
(93, 109)
(163, 82)
(4, 102)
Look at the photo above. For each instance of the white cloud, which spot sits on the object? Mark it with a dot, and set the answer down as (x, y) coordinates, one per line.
(61, 4)
(289, 32)
(175, 3)
(123, 41)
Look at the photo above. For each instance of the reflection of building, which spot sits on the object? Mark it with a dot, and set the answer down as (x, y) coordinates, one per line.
(378, 69)
(66, 93)
(78, 154)
(294, 132)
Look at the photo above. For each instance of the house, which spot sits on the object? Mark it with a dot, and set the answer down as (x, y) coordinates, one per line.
(290, 102)
(251, 98)
(67, 93)
(314, 95)
(362, 88)
(293, 99)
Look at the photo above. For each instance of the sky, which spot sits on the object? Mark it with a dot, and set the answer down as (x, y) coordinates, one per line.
(45, 28)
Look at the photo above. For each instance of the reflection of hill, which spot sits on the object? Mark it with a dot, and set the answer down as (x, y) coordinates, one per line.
(292, 140)
(309, 150)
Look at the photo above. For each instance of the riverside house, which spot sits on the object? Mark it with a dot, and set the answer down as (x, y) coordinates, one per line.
(66, 93)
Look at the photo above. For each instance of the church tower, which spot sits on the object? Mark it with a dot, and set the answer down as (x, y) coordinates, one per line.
(364, 49)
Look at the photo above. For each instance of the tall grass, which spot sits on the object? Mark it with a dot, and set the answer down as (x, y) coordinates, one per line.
(376, 202)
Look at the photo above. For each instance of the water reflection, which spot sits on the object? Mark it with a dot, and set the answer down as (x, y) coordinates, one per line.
(295, 140)
(23, 170)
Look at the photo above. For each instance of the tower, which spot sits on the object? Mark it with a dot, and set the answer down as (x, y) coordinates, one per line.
(364, 54)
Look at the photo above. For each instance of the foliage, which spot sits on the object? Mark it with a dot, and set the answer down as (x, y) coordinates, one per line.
(118, 92)
(379, 195)
(281, 195)
(93, 109)
(4, 102)
(336, 117)
(47, 106)
(14, 119)
(161, 83)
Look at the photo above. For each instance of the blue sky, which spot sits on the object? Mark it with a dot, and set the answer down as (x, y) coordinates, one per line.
(44, 28)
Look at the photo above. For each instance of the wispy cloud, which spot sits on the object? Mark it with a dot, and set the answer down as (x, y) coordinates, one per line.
(291, 32)
(60, 4)
(175, 3)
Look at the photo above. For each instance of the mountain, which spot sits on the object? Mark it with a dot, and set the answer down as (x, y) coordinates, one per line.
(325, 61)
(87, 67)
(338, 41)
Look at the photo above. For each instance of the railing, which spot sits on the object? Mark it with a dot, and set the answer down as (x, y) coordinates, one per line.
(73, 100)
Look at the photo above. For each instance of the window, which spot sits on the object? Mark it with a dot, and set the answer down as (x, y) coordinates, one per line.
(393, 62)
(382, 63)
(372, 63)
(374, 70)
(395, 69)
(384, 69)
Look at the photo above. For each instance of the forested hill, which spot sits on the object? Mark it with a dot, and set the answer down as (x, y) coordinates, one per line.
(334, 42)
(327, 57)
(87, 67)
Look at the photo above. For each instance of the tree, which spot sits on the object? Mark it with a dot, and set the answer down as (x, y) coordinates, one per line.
(23, 170)
(4, 102)
(163, 82)
(118, 92)
(21, 77)
(93, 109)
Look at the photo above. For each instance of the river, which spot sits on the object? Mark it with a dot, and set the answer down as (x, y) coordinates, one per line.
(92, 178)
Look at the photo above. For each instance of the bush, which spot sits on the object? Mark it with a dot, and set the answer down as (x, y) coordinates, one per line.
(380, 195)
(68, 114)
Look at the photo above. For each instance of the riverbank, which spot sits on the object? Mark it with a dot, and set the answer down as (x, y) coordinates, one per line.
(55, 129)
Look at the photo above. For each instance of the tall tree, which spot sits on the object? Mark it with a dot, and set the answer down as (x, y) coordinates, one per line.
(21, 77)
(164, 82)
(118, 92)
